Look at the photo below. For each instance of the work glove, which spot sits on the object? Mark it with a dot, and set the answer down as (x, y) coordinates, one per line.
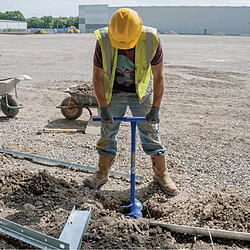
(153, 115)
(106, 116)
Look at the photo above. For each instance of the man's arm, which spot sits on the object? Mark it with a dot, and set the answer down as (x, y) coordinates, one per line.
(158, 85)
(98, 84)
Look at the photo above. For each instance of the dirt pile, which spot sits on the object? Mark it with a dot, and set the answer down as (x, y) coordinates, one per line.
(50, 197)
(217, 210)
(85, 88)
(53, 199)
(111, 230)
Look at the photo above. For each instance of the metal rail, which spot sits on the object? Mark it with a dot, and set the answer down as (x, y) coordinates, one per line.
(67, 164)
(30, 236)
(70, 238)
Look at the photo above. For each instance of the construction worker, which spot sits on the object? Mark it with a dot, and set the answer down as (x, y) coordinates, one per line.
(128, 71)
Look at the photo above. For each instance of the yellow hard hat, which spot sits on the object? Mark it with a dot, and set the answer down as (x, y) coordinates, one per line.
(124, 28)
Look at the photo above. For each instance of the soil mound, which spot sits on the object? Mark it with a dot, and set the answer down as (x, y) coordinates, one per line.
(85, 88)
(218, 211)
(53, 199)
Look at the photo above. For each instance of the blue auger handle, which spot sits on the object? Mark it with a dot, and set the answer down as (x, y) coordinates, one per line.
(135, 204)
(124, 119)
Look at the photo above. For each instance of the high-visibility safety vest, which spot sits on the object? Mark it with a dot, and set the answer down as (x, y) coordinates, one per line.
(145, 50)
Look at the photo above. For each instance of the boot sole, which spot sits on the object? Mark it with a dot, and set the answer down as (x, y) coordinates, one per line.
(164, 189)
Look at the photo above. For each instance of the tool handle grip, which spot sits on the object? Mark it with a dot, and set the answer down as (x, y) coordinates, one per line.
(62, 130)
(123, 119)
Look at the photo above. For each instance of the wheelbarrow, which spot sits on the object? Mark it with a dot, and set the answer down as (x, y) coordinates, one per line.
(135, 205)
(72, 106)
(9, 103)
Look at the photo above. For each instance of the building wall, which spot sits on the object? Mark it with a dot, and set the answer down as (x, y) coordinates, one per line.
(186, 20)
(16, 25)
(92, 17)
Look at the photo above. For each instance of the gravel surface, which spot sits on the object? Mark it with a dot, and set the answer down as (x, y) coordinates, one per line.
(204, 125)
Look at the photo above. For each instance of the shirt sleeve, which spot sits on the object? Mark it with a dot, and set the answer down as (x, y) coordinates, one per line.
(98, 56)
(158, 58)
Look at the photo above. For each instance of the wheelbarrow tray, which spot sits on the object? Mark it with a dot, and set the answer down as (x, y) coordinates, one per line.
(83, 100)
(7, 85)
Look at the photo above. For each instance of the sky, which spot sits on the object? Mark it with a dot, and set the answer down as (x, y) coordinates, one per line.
(69, 8)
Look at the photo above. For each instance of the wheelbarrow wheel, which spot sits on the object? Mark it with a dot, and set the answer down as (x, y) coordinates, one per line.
(70, 113)
(12, 102)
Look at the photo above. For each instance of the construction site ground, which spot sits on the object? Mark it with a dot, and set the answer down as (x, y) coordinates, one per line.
(204, 125)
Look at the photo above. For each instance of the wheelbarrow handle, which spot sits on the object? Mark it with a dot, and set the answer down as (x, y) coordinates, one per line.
(123, 119)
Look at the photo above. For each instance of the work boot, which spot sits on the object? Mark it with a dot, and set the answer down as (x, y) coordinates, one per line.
(100, 177)
(162, 176)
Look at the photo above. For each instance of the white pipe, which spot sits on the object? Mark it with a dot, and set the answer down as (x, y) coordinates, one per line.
(204, 231)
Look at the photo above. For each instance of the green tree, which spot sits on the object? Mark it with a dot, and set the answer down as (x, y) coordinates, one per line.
(35, 22)
(70, 21)
(60, 22)
(48, 22)
(76, 22)
(45, 22)
(1, 16)
(12, 15)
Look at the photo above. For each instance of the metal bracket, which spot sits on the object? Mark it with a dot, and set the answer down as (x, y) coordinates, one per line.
(67, 164)
(70, 238)
(75, 228)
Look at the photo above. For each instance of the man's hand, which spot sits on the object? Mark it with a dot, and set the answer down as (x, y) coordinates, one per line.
(106, 116)
(153, 115)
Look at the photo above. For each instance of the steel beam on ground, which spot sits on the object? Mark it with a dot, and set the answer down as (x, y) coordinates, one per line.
(67, 164)
(70, 238)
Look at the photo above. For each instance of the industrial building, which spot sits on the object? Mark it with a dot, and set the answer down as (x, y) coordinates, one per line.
(12, 25)
(180, 19)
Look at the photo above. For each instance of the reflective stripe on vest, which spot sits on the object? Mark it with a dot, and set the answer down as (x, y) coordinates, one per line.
(143, 56)
(149, 44)
(106, 46)
(144, 52)
(109, 60)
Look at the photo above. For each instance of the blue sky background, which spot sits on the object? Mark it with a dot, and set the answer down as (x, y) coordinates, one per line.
(68, 8)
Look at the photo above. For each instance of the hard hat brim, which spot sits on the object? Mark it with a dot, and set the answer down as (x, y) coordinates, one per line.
(123, 45)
